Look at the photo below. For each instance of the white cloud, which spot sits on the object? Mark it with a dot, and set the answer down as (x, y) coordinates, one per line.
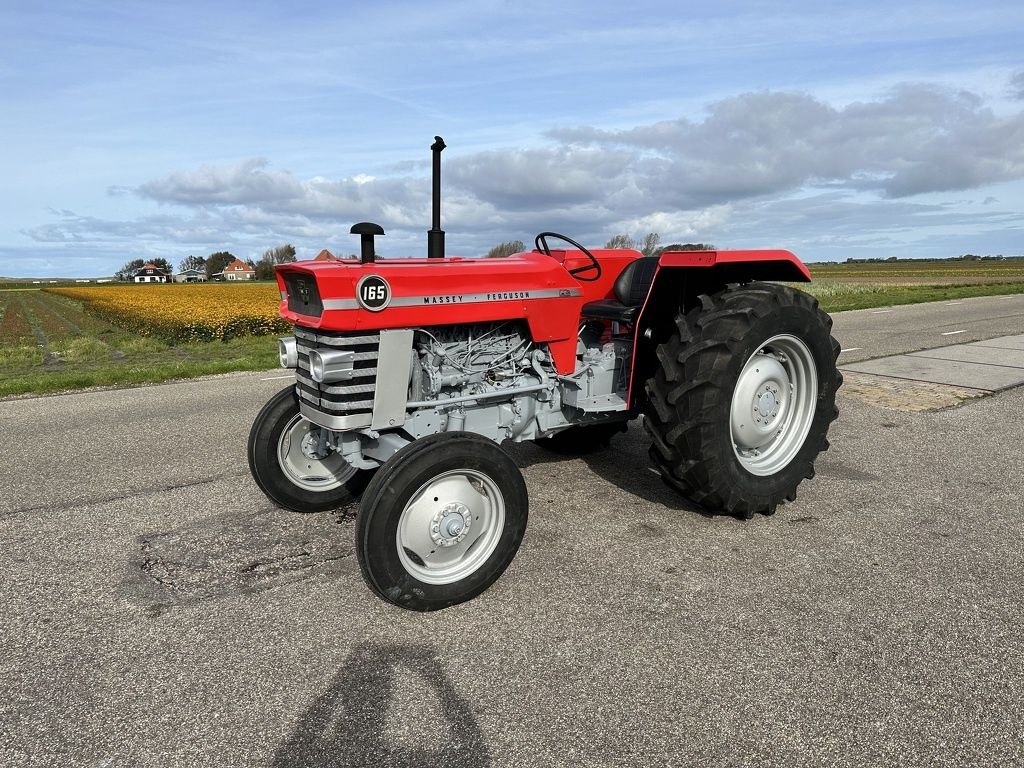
(918, 139)
(767, 167)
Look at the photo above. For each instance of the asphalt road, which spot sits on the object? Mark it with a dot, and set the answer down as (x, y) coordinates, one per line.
(157, 610)
(870, 333)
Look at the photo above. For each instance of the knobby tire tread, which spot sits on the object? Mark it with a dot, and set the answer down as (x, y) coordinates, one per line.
(692, 388)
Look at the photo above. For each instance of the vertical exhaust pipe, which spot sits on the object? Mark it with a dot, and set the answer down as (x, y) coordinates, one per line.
(435, 237)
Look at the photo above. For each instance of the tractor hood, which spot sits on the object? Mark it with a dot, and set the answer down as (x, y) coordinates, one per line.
(348, 295)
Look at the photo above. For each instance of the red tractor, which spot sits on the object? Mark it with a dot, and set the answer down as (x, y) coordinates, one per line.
(411, 372)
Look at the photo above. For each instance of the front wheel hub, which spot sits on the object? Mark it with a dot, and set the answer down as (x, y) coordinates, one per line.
(312, 446)
(451, 524)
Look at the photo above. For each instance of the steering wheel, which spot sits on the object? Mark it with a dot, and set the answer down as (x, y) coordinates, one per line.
(541, 243)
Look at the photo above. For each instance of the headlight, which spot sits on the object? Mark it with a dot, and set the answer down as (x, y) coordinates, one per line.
(288, 353)
(330, 365)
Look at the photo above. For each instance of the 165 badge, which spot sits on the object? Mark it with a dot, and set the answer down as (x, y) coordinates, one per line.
(373, 293)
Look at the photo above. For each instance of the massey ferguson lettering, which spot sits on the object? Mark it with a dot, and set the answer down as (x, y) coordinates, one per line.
(462, 298)
(508, 296)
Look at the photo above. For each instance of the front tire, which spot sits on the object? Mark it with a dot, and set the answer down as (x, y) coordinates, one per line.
(289, 466)
(740, 405)
(440, 521)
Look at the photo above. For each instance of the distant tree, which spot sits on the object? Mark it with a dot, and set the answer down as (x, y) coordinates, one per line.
(161, 263)
(282, 254)
(688, 247)
(264, 269)
(650, 246)
(216, 262)
(506, 249)
(192, 262)
(621, 241)
(128, 270)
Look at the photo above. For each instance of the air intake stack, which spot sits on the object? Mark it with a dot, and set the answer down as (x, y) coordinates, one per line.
(435, 237)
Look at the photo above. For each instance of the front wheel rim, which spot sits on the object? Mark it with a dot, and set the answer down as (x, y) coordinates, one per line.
(773, 405)
(304, 465)
(450, 527)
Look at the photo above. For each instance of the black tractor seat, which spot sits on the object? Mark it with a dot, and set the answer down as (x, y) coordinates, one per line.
(631, 288)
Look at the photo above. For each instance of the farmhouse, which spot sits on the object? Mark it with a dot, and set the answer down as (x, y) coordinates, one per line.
(238, 270)
(150, 273)
(325, 255)
(191, 276)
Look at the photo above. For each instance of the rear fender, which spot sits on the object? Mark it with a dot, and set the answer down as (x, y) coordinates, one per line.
(681, 277)
(737, 266)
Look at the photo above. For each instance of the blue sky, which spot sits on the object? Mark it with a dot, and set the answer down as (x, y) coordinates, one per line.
(146, 129)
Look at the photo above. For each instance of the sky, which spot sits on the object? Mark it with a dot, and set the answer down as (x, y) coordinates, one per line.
(834, 129)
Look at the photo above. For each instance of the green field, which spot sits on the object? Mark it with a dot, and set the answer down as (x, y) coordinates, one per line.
(878, 284)
(51, 343)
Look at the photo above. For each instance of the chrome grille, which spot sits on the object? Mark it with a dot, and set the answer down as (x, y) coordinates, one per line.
(347, 398)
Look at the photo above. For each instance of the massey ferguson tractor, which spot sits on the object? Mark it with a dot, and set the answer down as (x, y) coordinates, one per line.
(410, 373)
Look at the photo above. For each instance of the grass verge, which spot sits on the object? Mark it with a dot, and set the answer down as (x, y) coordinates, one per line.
(838, 296)
(186, 361)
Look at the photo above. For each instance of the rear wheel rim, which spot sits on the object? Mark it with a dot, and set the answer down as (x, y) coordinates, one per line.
(450, 526)
(303, 465)
(773, 405)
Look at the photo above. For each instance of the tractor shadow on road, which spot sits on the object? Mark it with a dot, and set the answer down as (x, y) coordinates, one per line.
(361, 719)
(624, 464)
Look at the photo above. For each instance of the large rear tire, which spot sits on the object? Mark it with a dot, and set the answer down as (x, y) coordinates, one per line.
(745, 390)
(289, 465)
(440, 521)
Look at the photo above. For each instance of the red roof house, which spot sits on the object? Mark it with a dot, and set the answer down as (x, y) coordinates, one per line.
(239, 270)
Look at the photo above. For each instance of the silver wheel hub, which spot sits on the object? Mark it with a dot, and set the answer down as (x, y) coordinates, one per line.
(766, 406)
(451, 524)
(773, 404)
(311, 446)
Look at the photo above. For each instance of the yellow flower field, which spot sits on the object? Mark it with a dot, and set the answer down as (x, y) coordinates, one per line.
(192, 312)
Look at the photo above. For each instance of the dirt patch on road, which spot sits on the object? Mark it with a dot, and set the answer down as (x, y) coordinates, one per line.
(237, 554)
(905, 394)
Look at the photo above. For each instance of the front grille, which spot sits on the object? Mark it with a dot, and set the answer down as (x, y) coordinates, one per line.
(342, 398)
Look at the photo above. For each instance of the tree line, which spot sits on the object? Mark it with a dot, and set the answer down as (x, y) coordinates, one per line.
(648, 245)
(215, 263)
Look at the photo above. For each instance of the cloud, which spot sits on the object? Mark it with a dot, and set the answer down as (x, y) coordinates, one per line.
(1017, 86)
(918, 139)
(252, 184)
(244, 183)
(768, 167)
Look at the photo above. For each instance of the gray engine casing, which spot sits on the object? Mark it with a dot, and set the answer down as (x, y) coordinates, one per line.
(487, 378)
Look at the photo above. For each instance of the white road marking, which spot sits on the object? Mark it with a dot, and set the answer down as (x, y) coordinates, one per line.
(272, 378)
(851, 349)
(953, 333)
(953, 303)
(881, 311)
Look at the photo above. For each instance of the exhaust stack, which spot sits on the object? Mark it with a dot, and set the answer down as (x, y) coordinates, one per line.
(435, 237)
